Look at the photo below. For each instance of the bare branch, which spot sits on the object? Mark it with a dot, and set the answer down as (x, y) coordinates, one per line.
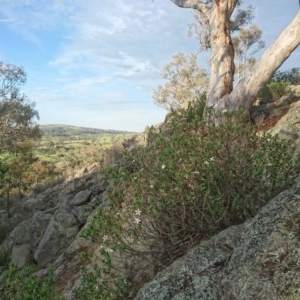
(194, 4)
(271, 60)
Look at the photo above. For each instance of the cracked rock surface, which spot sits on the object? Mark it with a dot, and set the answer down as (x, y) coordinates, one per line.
(259, 259)
(53, 219)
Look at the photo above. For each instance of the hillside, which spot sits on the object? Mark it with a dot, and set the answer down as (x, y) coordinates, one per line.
(61, 130)
(65, 148)
(107, 235)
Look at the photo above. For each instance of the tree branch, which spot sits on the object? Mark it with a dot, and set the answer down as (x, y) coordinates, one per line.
(248, 87)
(199, 5)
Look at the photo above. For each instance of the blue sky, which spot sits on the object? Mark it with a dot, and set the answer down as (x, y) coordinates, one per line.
(95, 63)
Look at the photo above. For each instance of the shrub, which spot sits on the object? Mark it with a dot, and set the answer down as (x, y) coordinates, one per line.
(292, 76)
(24, 285)
(4, 231)
(278, 84)
(192, 180)
(5, 257)
(274, 90)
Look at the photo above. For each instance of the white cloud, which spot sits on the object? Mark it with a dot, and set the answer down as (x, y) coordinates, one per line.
(107, 58)
(31, 17)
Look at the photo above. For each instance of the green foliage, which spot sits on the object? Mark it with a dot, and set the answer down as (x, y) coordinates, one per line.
(77, 132)
(4, 231)
(103, 281)
(185, 81)
(95, 285)
(274, 90)
(291, 76)
(63, 157)
(279, 83)
(24, 285)
(18, 130)
(5, 257)
(192, 180)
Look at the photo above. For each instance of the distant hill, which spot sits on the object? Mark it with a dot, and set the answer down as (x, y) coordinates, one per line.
(59, 130)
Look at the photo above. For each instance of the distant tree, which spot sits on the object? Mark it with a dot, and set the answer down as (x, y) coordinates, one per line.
(246, 43)
(185, 81)
(18, 128)
(292, 76)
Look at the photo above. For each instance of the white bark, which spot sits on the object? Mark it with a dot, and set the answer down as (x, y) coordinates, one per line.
(247, 88)
(221, 94)
(222, 52)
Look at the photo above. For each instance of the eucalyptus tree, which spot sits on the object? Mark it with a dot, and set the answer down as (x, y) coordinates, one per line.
(18, 128)
(185, 82)
(222, 94)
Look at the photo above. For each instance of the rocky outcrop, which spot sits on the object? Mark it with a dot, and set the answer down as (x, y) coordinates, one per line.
(26, 236)
(54, 218)
(288, 126)
(259, 259)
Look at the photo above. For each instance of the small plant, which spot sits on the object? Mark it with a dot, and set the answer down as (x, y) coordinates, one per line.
(102, 282)
(5, 257)
(4, 231)
(24, 285)
(278, 85)
(274, 90)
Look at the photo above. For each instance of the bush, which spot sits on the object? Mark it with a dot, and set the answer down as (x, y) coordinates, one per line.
(5, 257)
(274, 90)
(4, 231)
(291, 76)
(192, 180)
(278, 84)
(24, 285)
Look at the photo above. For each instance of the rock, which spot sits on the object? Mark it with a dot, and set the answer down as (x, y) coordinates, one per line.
(82, 212)
(26, 237)
(21, 255)
(61, 230)
(288, 126)
(265, 115)
(258, 260)
(54, 218)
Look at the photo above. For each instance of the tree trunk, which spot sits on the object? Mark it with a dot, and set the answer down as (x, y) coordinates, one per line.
(221, 93)
(248, 87)
(222, 53)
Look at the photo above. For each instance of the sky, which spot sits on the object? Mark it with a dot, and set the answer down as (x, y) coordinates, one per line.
(96, 63)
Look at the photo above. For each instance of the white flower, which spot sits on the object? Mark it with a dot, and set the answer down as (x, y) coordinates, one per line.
(104, 238)
(163, 166)
(212, 159)
(151, 186)
(105, 249)
(137, 212)
(196, 172)
(137, 220)
(206, 162)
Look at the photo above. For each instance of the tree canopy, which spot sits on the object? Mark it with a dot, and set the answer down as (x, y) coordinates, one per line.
(185, 82)
(17, 114)
(18, 130)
